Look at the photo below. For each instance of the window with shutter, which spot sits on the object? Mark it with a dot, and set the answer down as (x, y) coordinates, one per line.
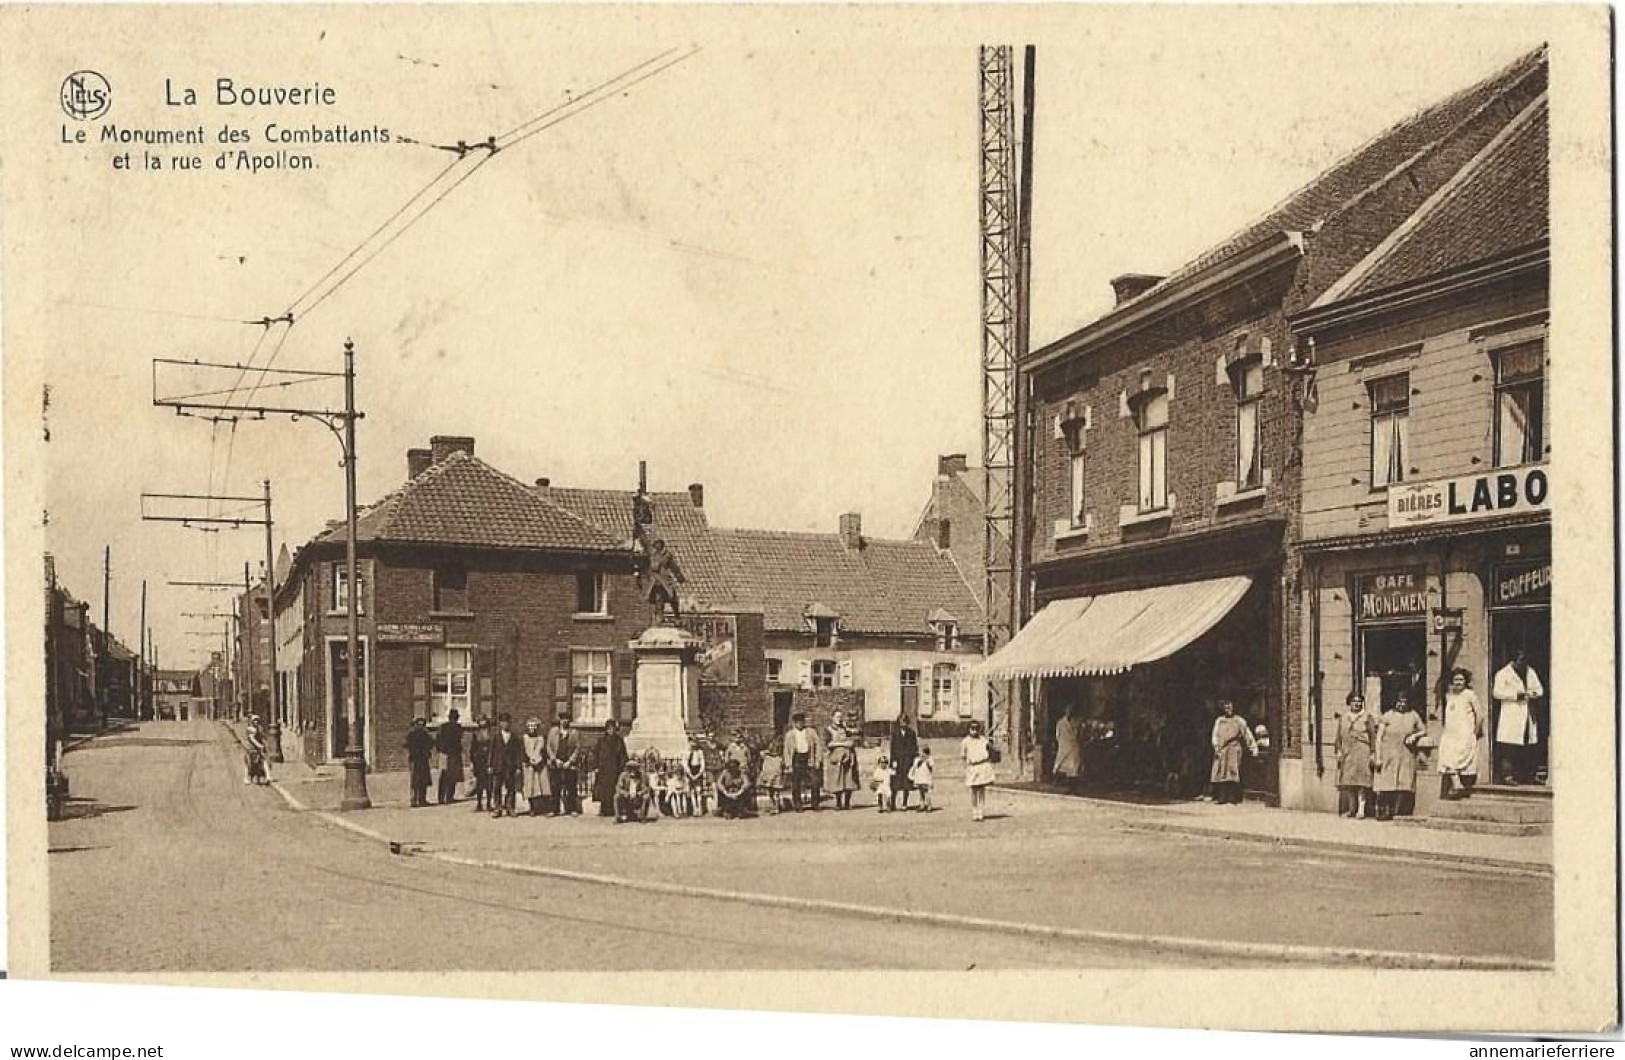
(626, 687)
(420, 682)
(804, 673)
(486, 672)
(561, 681)
(845, 679)
(967, 698)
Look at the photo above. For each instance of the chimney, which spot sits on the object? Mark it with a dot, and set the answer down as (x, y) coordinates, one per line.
(952, 464)
(852, 530)
(944, 534)
(1133, 285)
(696, 493)
(418, 461)
(544, 483)
(443, 445)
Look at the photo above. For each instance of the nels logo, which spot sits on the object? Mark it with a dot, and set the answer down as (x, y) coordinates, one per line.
(86, 95)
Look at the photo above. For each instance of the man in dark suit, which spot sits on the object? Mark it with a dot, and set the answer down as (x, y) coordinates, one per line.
(507, 755)
(905, 747)
(448, 740)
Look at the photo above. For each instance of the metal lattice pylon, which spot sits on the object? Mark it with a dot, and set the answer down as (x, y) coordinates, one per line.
(999, 264)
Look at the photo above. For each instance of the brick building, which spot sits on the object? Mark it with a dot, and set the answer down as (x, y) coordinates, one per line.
(477, 593)
(1426, 536)
(1164, 470)
(955, 519)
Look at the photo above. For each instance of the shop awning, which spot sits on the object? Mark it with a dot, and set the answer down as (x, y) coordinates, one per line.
(1110, 633)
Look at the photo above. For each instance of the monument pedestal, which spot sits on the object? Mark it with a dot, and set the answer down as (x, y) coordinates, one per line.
(668, 691)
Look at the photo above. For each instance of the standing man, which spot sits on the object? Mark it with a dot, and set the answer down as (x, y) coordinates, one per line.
(799, 746)
(507, 758)
(564, 762)
(449, 742)
(1517, 735)
(905, 747)
(479, 759)
(419, 745)
(609, 760)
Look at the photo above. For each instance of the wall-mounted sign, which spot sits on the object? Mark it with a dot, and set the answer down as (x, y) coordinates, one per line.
(719, 659)
(1448, 619)
(410, 633)
(1398, 593)
(1452, 500)
(1528, 582)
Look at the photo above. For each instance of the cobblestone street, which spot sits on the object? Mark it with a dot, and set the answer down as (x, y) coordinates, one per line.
(163, 844)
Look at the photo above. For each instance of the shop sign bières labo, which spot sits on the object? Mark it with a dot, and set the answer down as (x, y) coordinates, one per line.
(1450, 500)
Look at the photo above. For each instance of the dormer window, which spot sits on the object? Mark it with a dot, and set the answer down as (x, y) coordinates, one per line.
(823, 623)
(824, 632)
(947, 636)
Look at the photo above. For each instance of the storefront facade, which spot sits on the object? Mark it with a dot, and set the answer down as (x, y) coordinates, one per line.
(1426, 543)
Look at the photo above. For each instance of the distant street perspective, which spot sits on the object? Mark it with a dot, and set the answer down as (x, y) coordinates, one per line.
(162, 841)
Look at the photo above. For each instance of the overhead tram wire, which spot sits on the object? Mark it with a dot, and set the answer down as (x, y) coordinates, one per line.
(602, 92)
(296, 310)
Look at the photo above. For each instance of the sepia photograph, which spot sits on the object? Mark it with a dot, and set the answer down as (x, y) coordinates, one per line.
(634, 503)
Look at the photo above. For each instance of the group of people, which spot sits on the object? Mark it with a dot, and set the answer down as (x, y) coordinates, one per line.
(1378, 757)
(545, 766)
(1174, 758)
(794, 773)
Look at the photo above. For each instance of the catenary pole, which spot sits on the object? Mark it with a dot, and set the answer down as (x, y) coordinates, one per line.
(274, 730)
(355, 761)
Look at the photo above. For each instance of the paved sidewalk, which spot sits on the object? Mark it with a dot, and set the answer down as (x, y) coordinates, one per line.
(1035, 814)
(1039, 864)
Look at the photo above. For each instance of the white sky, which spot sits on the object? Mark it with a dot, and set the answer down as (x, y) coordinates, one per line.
(814, 357)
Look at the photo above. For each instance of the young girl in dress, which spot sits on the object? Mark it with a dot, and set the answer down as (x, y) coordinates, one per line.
(880, 781)
(698, 780)
(771, 778)
(977, 753)
(919, 774)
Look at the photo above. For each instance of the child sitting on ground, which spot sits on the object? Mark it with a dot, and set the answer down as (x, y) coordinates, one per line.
(919, 774)
(771, 778)
(677, 797)
(732, 784)
(880, 782)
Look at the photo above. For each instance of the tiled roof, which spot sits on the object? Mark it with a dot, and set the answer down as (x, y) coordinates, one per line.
(677, 521)
(464, 501)
(1347, 184)
(1500, 206)
(883, 587)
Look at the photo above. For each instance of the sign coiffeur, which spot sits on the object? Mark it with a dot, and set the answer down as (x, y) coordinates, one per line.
(1451, 500)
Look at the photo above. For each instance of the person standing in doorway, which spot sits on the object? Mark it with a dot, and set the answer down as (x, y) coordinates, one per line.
(1517, 735)
(1458, 744)
(977, 753)
(1068, 767)
(1399, 735)
(609, 759)
(1231, 738)
(479, 761)
(449, 742)
(904, 749)
(419, 746)
(1356, 738)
